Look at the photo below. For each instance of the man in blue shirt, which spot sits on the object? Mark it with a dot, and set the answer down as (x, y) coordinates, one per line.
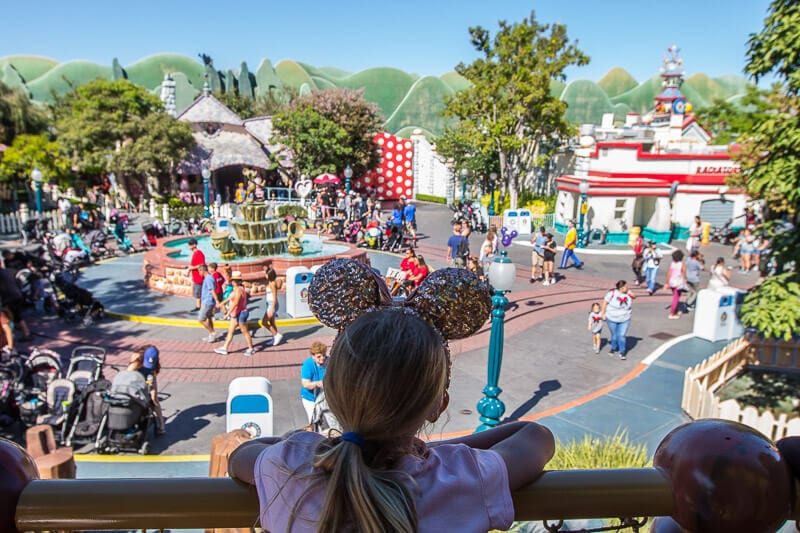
(311, 375)
(452, 247)
(410, 216)
(537, 256)
(208, 302)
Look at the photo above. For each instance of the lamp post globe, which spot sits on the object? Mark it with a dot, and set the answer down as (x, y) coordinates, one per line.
(206, 173)
(348, 175)
(502, 273)
(492, 178)
(583, 188)
(36, 176)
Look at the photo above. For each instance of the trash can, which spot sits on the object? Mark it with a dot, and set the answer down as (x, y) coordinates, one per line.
(716, 316)
(511, 219)
(297, 281)
(633, 234)
(706, 233)
(524, 222)
(249, 406)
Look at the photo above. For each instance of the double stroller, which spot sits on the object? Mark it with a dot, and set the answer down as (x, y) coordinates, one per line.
(151, 233)
(128, 416)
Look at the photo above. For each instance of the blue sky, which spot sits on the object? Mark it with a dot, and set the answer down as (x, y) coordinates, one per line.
(424, 37)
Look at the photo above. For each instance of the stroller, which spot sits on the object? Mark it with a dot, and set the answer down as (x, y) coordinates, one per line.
(85, 366)
(123, 242)
(373, 236)
(41, 369)
(128, 417)
(77, 302)
(394, 238)
(59, 404)
(97, 244)
(323, 421)
(90, 408)
(150, 235)
(12, 371)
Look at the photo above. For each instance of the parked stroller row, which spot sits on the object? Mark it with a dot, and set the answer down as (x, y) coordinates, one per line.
(79, 403)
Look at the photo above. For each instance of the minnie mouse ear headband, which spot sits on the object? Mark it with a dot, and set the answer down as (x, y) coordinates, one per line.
(452, 300)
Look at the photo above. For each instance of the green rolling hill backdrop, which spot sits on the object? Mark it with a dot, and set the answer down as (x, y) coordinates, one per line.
(407, 101)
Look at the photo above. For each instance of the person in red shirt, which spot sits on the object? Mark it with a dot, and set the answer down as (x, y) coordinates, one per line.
(219, 280)
(198, 258)
(407, 264)
(420, 271)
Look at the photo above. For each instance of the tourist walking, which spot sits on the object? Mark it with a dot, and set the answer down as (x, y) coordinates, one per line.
(549, 249)
(638, 259)
(617, 311)
(694, 265)
(720, 275)
(486, 255)
(311, 377)
(209, 302)
(695, 235)
(457, 248)
(570, 242)
(652, 259)
(271, 305)
(198, 258)
(537, 255)
(410, 217)
(238, 314)
(595, 326)
(676, 280)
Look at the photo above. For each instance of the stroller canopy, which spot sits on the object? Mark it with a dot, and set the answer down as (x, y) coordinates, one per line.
(130, 383)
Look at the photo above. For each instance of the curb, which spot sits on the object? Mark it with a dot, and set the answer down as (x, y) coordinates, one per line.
(190, 323)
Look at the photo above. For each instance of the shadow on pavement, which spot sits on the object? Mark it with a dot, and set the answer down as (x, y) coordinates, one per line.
(545, 388)
(186, 424)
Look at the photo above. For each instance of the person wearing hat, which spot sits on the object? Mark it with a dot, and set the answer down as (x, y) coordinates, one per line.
(198, 258)
(238, 314)
(145, 360)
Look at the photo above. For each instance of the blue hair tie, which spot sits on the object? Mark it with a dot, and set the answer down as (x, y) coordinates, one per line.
(355, 438)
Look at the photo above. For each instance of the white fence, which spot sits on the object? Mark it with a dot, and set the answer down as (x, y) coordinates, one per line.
(701, 383)
(11, 223)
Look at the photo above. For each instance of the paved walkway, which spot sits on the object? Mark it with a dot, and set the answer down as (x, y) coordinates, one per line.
(549, 371)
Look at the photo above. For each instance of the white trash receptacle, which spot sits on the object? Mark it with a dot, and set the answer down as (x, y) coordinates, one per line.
(715, 311)
(222, 224)
(524, 223)
(297, 281)
(511, 219)
(734, 327)
(249, 406)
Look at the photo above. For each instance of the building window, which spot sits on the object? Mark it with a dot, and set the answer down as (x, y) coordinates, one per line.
(620, 208)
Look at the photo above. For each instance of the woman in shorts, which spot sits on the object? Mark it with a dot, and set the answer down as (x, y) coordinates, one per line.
(238, 314)
(549, 259)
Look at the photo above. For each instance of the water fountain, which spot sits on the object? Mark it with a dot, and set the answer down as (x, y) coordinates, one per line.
(251, 239)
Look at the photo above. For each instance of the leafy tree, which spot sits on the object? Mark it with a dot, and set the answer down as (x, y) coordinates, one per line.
(509, 107)
(480, 161)
(770, 163)
(727, 121)
(119, 126)
(34, 151)
(327, 130)
(262, 106)
(18, 114)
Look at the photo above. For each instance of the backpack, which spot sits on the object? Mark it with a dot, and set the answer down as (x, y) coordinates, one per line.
(462, 250)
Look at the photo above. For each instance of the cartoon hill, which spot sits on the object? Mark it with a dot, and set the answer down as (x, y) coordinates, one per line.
(616, 81)
(406, 100)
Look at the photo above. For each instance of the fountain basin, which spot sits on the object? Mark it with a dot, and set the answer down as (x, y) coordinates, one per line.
(165, 266)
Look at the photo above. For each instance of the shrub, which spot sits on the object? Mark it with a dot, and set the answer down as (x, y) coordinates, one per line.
(615, 451)
(537, 205)
(296, 211)
(429, 198)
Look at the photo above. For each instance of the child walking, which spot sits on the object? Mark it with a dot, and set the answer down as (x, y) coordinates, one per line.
(595, 325)
(387, 376)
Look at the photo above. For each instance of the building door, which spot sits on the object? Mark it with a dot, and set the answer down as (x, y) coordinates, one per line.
(717, 212)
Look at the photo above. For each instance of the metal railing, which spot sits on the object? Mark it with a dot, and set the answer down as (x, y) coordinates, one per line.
(195, 503)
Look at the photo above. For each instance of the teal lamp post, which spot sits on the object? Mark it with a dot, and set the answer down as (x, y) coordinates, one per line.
(464, 173)
(492, 177)
(348, 176)
(36, 176)
(583, 188)
(206, 173)
(501, 275)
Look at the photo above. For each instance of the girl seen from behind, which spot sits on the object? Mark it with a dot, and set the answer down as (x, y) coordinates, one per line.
(387, 376)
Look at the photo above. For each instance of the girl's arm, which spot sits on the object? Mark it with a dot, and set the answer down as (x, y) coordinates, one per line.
(525, 448)
(242, 461)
